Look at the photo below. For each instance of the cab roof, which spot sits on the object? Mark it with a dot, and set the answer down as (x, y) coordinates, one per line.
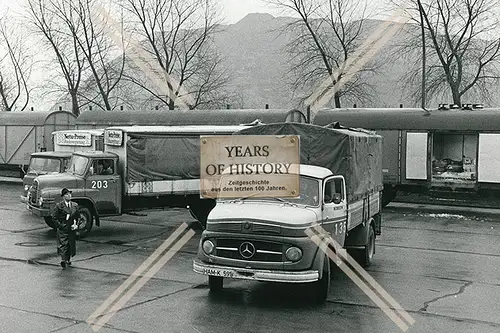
(315, 171)
(93, 131)
(54, 154)
(306, 170)
(96, 154)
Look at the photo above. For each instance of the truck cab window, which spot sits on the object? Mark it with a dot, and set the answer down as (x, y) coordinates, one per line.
(102, 167)
(334, 191)
(78, 165)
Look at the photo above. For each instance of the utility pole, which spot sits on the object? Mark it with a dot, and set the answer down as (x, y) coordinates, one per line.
(421, 11)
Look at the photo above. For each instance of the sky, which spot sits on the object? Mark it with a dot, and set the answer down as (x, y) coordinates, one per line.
(231, 11)
(235, 10)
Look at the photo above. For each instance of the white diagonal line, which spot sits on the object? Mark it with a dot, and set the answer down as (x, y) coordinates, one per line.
(150, 69)
(360, 283)
(364, 274)
(137, 273)
(355, 62)
(142, 281)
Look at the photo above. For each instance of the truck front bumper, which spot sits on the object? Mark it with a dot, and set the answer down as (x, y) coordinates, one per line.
(42, 212)
(255, 274)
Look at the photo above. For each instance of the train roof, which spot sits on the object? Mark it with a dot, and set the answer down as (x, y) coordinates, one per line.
(412, 119)
(29, 118)
(179, 117)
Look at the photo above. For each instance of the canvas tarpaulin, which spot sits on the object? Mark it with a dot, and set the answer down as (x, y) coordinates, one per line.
(155, 157)
(355, 154)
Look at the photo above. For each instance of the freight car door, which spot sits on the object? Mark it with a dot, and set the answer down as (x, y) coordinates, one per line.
(416, 155)
(488, 161)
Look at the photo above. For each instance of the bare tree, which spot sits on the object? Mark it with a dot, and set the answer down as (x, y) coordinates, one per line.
(15, 69)
(462, 48)
(69, 56)
(106, 61)
(177, 37)
(326, 34)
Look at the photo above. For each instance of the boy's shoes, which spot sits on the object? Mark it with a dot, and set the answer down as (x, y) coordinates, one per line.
(68, 263)
(63, 264)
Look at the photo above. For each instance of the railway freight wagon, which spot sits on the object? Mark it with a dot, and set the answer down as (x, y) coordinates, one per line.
(449, 149)
(23, 133)
(104, 119)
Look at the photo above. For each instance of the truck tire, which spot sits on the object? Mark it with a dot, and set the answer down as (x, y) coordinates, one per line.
(85, 223)
(50, 222)
(216, 283)
(365, 256)
(322, 286)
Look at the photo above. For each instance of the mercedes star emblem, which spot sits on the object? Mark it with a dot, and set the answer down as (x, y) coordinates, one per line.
(247, 250)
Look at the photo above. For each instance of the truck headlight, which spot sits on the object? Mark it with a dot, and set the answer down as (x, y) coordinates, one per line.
(208, 247)
(293, 253)
(26, 187)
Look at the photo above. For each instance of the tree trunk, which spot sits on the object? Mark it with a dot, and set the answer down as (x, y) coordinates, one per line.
(337, 100)
(456, 96)
(74, 104)
(171, 104)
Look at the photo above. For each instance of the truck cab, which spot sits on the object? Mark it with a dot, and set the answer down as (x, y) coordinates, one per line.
(43, 163)
(96, 186)
(65, 142)
(265, 239)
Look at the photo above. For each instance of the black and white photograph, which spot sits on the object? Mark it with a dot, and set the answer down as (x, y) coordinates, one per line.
(199, 166)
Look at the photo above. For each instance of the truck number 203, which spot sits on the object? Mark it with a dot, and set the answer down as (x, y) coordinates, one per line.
(99, 184)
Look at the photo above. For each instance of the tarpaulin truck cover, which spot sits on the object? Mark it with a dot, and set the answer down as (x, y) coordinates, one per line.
(355, 154)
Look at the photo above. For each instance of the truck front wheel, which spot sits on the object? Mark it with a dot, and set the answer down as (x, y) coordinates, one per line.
(215, 283)
(50, 222)
(85, 222)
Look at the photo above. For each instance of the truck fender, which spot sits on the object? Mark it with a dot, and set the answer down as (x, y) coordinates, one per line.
(319, 258)
(90, 205)
(358, 237)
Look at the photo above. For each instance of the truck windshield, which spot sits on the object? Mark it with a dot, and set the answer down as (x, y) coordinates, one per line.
(78, 165)
(40, 165)
(309, 194)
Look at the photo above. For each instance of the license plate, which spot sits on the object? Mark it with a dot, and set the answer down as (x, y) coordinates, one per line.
(218, 272)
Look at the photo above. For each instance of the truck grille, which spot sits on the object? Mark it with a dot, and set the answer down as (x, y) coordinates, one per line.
(34, 193)
(251, 250)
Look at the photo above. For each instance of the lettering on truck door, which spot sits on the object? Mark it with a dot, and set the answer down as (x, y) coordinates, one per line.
(103, 186)
(334, 208)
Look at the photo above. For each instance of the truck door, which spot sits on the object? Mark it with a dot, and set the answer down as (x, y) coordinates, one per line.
(335, 208)
(102, 184)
